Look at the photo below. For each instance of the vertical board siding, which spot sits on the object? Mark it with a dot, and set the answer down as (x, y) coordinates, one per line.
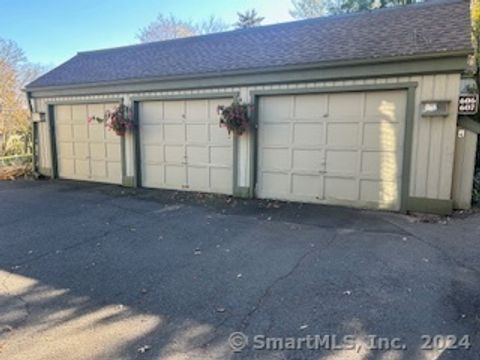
(464, 170)
(449, 137)
(433, 147)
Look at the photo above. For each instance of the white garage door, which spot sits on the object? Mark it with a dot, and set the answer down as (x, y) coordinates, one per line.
(183, 147)
(86, 151)
(339, 148)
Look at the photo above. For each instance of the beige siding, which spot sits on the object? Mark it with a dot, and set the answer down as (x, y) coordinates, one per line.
(44, 155)
(466, 147)
(433, 138)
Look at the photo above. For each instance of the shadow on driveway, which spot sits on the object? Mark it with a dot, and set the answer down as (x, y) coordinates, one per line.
(100, 272)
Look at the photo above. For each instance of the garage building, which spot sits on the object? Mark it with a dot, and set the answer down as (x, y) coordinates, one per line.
(342, 111)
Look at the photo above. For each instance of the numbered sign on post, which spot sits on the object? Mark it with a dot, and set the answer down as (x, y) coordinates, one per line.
(468, 104)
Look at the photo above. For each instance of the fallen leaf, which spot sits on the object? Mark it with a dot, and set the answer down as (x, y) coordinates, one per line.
(303, 327)
(144, 349)
(239, 276)
(347, 292)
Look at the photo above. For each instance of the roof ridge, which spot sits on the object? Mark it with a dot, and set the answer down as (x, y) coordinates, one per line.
(329, 18)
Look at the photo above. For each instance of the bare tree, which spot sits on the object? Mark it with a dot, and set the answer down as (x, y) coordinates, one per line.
(304, 9)
(166, 28)
(248, 19)
(170, 27)
(211, 25)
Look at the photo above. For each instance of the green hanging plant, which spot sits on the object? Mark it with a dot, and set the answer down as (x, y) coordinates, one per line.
(235, 117)
(118, 119)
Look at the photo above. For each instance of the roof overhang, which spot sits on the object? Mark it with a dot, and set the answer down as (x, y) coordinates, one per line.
(446, 62)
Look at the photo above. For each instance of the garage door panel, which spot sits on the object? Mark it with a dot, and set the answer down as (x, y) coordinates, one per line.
(152, 154)
(221, 156)
(174, 133)
(341, 188)
(197, 133)
(152, 175)
(221, 180)
(175, 176)
(63, 114)
(275, 134)
(345, 106)
(113, 152)
(307, 160)
(279, 109)
(275, 184)
(197, 110)
(346, 148)
(382, 192)
(79, 114)
(82, 150)
(276, 159)
(80, 132)
(96, 132)
(389, 106)
(82, 168)
(219, 135)
(174, 110)
(307, 185)
(97, 110)
(64, 132)
(99, 169)
(310, 106)
(97, 151)
(151, 134)
(114, 169)
(342, 134)
(174, 154)
(383, 136)
(197, 155)
(381, 164)
(198, 178)
(344, 162)
(65, 149)
(151, 113)
(66, 167)
(308, 134)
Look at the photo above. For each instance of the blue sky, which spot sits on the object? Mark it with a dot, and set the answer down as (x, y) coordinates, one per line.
(52, 31)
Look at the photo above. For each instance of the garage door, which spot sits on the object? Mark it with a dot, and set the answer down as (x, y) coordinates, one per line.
(86, 151)
(339, 148)
(183, 147)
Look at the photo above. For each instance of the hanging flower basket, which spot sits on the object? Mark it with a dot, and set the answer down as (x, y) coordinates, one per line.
(118, 119)
(235, 117)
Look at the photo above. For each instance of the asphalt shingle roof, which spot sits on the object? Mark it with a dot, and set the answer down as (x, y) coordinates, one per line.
(429, 28)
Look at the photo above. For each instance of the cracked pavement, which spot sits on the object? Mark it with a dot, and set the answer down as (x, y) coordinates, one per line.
(91, 271)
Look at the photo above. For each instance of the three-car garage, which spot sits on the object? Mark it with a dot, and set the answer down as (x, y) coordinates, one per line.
(357, 111)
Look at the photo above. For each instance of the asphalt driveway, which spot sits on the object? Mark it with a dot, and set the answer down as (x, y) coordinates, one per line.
(94, 272)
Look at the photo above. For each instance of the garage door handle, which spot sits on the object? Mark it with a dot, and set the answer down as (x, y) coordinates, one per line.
(322, 171)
